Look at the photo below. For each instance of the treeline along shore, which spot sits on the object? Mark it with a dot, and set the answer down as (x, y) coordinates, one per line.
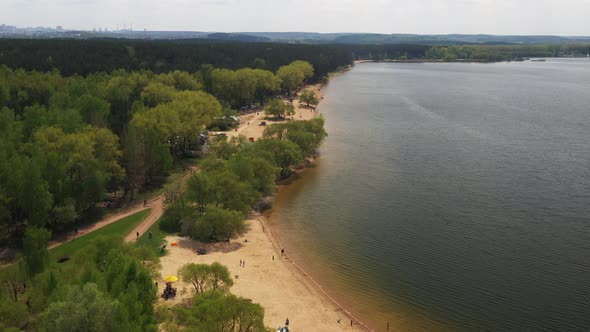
(82, 57)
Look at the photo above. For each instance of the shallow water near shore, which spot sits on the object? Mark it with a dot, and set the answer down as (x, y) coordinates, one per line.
(451, 196)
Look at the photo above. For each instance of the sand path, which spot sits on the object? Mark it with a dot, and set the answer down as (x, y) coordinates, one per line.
(109, 219)
(157, 210)
(278, 285)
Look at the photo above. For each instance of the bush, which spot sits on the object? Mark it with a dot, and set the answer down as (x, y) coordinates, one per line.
(171, 221)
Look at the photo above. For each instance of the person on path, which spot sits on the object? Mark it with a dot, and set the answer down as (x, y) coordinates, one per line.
(144, 203)
(137, 235)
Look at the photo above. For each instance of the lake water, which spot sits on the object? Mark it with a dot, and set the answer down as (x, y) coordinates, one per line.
(451, 196)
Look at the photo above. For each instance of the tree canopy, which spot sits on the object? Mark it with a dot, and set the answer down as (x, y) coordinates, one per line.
(309, 98)
(294, 74)
(280, 109)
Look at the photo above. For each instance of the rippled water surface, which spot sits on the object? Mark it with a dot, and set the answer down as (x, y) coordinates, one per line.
(451, 196)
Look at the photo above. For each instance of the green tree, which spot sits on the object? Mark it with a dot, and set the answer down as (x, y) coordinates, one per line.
(85, 308)
(13, 315)
(225, 149)
(219, 311)
(180, 80)
(199, 190)
(291, 77)
(205, 277)
(308, 97)
(294, 74)
(35, 253)
(229, 192)
(254, 169)
(95, 111)
(156, 93)
(308, 135)
(305, 67)
(279, 108)
(218, 224)
(284, 153)
(79, 165)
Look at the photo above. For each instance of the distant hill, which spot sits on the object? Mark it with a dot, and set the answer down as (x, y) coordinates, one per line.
(238, 37)
(297, 37)
(392, 39)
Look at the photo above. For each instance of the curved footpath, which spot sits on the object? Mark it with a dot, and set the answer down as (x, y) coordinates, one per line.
(157, 210)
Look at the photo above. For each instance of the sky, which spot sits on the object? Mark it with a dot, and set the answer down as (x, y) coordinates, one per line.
(508, 17)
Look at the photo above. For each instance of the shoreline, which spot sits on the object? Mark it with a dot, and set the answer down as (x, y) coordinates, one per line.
(274, 238)
(279, 284)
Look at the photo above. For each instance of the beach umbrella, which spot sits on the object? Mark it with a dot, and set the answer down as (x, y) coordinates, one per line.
(171, 279)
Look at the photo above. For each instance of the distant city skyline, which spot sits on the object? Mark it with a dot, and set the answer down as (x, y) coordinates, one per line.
(504, 17)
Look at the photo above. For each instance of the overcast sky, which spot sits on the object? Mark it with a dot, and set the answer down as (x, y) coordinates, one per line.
(556, 17)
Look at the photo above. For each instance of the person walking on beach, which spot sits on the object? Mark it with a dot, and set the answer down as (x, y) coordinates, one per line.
(287, 322)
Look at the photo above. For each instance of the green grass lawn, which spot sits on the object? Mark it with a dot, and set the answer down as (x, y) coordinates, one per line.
(157, 240)
(119, 228)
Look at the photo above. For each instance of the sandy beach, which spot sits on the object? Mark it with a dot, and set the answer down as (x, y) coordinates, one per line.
(280, 287)
(251, 123)
(268, 278)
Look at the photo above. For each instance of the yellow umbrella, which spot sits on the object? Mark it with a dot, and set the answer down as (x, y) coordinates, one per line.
(171, 279)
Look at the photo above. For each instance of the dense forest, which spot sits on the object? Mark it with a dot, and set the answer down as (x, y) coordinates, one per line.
(70, 143)
(83, 57)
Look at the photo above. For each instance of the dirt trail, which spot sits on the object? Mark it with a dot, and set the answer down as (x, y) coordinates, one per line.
(109, 219)
(157, 206)
(157, 211)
